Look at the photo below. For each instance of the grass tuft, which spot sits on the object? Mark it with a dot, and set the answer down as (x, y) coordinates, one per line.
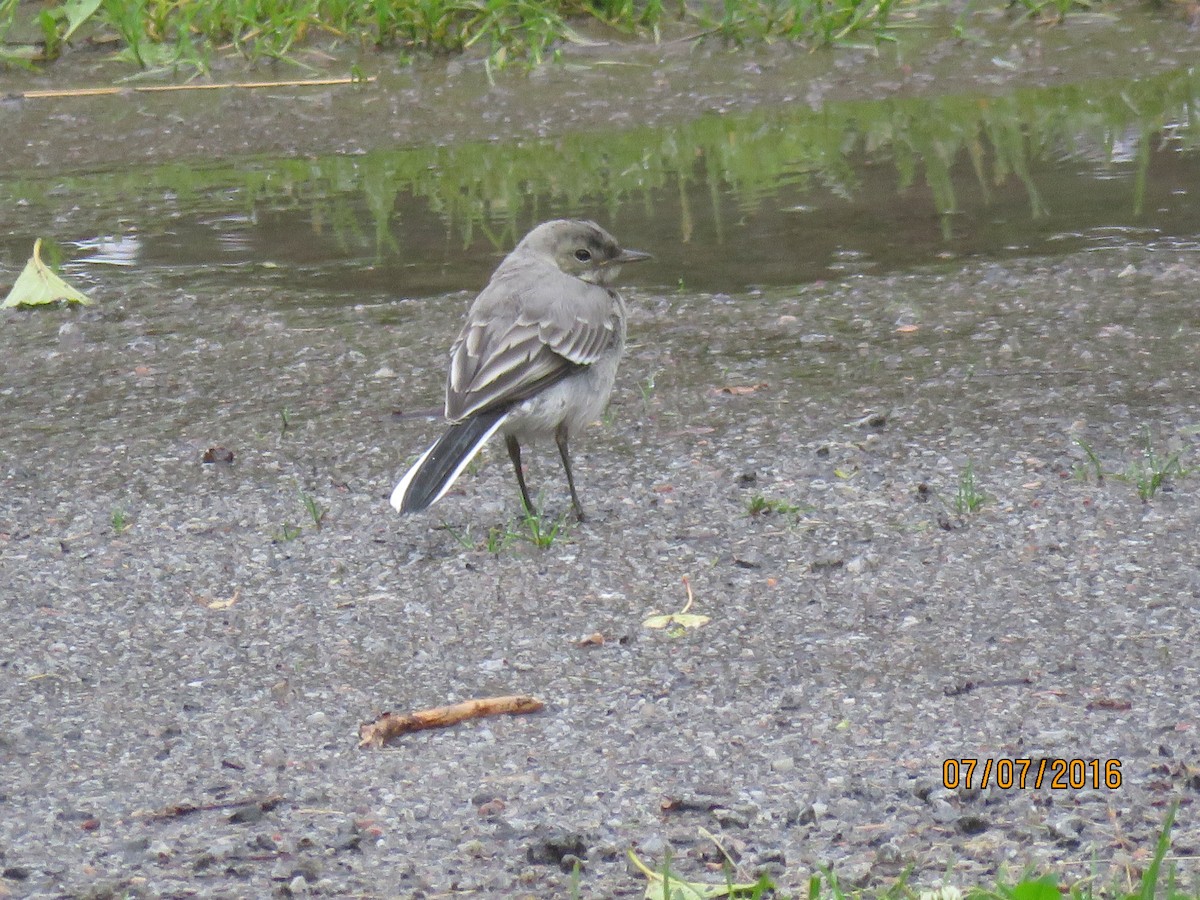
(1094, 468)
(540, 532)
(1149, 472)
(315, 511)
(532, 528)
(287, 532)
(169, 33)
(1158, 882)
(758, 505)
(968, 498)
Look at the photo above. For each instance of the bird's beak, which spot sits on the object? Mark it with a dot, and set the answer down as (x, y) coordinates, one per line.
(630, 256)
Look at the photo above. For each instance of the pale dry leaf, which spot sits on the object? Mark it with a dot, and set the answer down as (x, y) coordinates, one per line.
(737, 390)
(657, 887)
(37, 285)
(224, 604)
(683, 620)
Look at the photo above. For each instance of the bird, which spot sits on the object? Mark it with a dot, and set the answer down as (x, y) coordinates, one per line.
(536, 357)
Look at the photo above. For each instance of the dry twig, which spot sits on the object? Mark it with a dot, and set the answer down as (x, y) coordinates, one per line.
(166, 88)
(178, 810)
(389, 725)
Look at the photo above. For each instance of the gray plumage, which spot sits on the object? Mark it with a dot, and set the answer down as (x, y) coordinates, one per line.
(537, 356)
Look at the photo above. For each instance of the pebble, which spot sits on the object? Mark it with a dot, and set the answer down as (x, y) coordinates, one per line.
(943, 812)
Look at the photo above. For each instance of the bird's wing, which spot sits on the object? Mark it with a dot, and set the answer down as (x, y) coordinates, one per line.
(518, 340)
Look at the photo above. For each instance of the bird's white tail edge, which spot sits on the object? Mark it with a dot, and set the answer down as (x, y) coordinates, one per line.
(397, 500)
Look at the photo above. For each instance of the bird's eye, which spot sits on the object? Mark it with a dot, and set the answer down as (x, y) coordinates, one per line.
(583, 255)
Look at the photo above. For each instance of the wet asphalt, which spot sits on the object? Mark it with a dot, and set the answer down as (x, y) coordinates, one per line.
(188, 656)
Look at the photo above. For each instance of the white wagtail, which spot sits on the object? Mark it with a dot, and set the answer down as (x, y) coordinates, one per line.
(537, 356)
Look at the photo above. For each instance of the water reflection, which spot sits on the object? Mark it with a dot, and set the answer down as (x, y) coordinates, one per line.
(110, 250)
(782, 196)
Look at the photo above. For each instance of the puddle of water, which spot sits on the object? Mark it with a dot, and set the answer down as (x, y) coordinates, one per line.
(777, 196)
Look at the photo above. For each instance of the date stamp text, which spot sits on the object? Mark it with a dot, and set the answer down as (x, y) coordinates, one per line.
(1055, 773)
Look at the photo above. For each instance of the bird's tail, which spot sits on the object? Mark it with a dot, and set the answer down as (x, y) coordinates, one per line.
(431, 475)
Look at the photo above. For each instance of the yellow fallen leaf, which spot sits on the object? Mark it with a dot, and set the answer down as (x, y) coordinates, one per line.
(658, 887)
(737, 390)
(681, 619)
(224, 604)
(37, 285)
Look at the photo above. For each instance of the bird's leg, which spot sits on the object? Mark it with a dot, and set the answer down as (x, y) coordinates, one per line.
(560, 438)
(514, 453)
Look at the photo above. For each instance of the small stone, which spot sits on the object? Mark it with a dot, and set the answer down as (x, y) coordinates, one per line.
(652, 845)
(551, 844)
(889, 856)
(692, 802)
(349, 837)
(135, 847)
(221, 848)
(70, 335)
(945, 892)
(783, 764)
(791, 698)
(773, 855)
(804, 815)
(473, 847)
(826, 563)
(1066, 829)
(875, 419)
(972, 824)
(491, 808)
(214, 455)
(855, 872)
(308, 869)
(570, 862)
(729, 817)
(266, 842)
(943, 812)
(650, 712)
(247, 815)
(922, 787)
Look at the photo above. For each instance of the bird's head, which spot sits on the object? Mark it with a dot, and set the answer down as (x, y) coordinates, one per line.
(579, 248)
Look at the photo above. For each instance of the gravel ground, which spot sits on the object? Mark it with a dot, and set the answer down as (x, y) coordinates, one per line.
(180, 697)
